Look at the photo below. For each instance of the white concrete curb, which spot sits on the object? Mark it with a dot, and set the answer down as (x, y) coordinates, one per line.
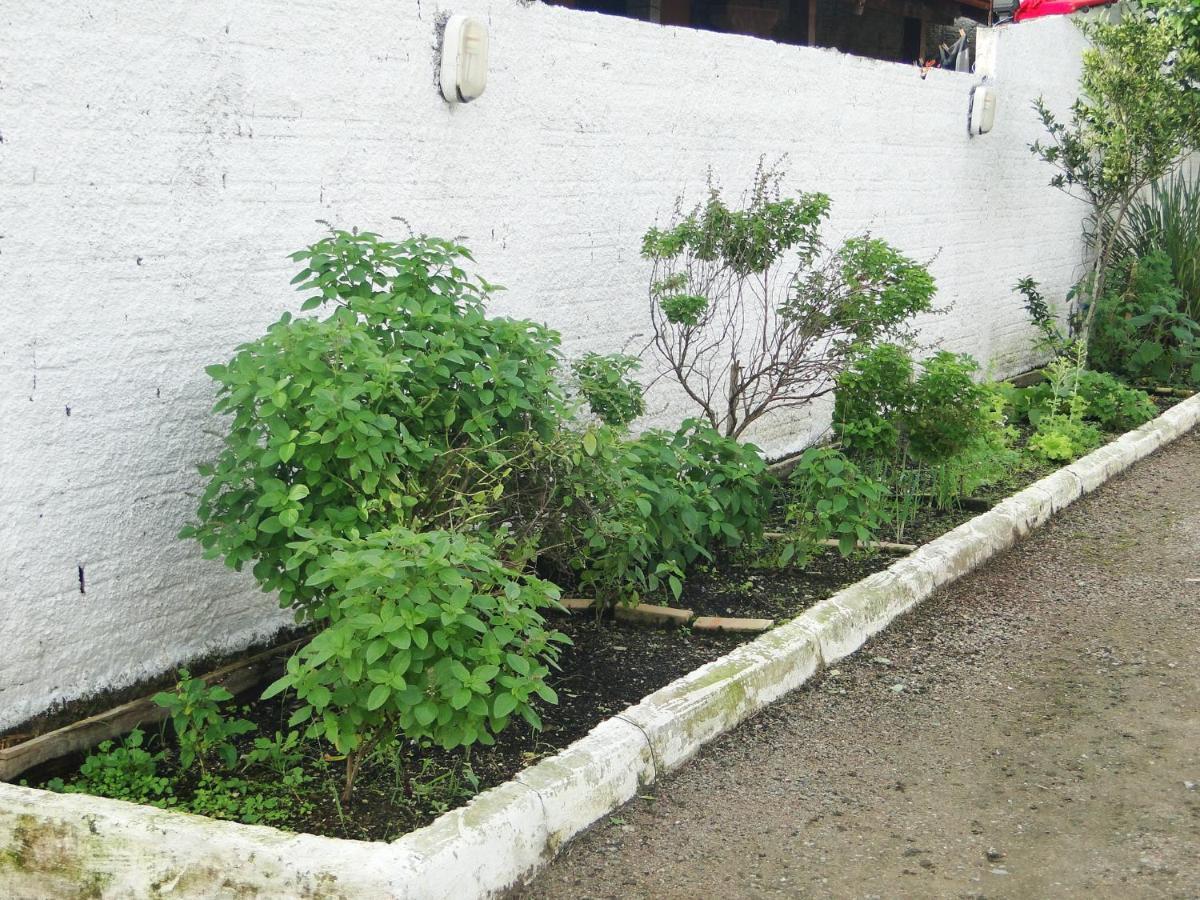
(54, 845)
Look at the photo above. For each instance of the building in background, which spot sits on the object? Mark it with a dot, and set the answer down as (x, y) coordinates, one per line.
(895, 30)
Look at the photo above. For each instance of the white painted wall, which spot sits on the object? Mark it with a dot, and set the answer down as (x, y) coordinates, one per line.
(160, 159)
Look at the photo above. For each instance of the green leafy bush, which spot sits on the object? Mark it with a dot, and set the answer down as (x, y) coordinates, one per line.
(1166, 219)
(430, 637)
(409, 443)
(605, 382)
(632, 514)
(830, 499)
(873, 397)
(1115, 406)
(201, 730)
(987, 458)
(1107, 401)
(931, 437)
(882, 411)
(392, 408)
(1140, 331)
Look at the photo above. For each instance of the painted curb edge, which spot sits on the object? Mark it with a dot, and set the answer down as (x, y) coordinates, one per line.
(51, 844)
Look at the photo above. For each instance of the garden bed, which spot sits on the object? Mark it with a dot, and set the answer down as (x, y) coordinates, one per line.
(52, 845)
(608, 667)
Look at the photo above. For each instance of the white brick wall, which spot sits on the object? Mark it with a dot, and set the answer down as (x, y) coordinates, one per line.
(160, 159)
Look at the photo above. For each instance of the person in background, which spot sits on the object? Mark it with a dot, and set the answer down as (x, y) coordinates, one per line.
(957, 56)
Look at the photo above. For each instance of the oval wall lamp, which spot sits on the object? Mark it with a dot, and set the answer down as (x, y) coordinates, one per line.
(464, 59)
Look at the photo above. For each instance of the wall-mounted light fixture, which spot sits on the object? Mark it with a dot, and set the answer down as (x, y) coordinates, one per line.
(982, 112)
(464, 59)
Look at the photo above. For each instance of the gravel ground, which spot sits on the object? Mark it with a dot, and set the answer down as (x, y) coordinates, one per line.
(1033, 731)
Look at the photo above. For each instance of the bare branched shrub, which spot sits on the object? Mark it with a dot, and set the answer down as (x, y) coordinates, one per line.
(751, 311)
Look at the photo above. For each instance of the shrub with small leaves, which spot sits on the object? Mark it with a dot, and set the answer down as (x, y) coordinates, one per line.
(634, 514)
(606, 383)
(201, 731)
(883, 410)
(430, 637)
(830, 499)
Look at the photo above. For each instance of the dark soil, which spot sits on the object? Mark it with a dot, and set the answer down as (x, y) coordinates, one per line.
(609, 666)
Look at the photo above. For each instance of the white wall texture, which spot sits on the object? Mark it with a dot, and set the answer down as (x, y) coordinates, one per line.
(159, 160)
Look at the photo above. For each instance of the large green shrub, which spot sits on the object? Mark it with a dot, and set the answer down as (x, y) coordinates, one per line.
(398, 467)
(394, 408)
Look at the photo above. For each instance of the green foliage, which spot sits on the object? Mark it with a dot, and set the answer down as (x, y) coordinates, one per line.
(1137, 117)
(1167, 219)
(987, 457)
(254, 802)
(873, 397)
(883, 289)
(1140, 331)
(830, 499)
(201, 731)
(1062, 434)
(946, 412)
(606, 383)
(1115, 406)
(747, 240)
(752, 312)
(633, 514)
(377, 414)
(407, 454)
(1109, 403)
(683, 309)
(1050, 334)
(932, 437)
(123, 772)
(430, 638)
(881, 410)
(280, 755)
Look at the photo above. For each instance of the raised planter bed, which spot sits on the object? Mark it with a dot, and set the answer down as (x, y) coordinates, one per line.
(62, 845)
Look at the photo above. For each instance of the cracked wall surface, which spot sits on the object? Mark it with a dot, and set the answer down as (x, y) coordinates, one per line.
(159, 161)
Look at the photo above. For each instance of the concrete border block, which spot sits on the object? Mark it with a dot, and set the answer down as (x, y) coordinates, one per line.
(493, 840)
(595, 775)
(67, 845)
(869, 605)
(56, 845)
(691, 711)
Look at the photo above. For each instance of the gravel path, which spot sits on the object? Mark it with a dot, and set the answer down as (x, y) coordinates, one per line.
(1033, 731)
